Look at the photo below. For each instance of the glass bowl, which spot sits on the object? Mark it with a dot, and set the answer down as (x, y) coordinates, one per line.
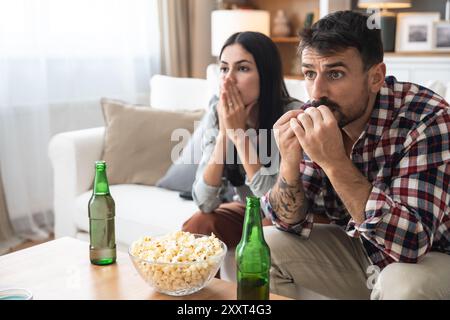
(179, 278)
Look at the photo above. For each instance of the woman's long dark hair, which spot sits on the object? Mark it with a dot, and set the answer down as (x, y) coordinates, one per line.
(273, 95)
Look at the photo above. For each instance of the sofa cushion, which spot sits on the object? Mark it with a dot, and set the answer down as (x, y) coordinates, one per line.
(138, 146)
(181, 175)
(140, 210)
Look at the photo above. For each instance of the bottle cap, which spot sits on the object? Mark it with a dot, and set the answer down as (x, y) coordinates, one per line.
(252, 201)
(101, 164)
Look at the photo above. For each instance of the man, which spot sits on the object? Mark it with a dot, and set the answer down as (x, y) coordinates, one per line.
(374, 157)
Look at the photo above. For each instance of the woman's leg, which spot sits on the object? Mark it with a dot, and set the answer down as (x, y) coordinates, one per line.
(225, 222)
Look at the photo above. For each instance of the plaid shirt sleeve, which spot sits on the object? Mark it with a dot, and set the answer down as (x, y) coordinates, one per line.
(312, 182)
(404, 211)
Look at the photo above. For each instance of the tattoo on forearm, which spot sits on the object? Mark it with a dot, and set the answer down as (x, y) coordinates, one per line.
(288, 201)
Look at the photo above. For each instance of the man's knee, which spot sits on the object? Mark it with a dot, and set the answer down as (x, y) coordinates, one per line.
(407, 281)
(393, 284)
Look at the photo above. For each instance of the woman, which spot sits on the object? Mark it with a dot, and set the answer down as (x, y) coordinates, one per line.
(252, 96)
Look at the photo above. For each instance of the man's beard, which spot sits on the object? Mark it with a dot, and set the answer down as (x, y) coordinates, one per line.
(335, 108)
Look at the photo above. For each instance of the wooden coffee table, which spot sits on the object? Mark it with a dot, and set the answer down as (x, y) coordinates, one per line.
(60, 269)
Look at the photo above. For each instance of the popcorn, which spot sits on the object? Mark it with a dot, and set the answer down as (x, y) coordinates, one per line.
(178, 261)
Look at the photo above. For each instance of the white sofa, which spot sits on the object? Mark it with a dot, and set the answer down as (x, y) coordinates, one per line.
(73, 153)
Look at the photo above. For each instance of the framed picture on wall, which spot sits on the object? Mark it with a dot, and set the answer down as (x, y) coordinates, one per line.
(415, 31)
(441, 36)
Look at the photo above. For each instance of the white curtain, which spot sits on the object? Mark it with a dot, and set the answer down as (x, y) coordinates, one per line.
(57, 59)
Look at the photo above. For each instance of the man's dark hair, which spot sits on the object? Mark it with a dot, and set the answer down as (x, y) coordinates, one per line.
(341, 30)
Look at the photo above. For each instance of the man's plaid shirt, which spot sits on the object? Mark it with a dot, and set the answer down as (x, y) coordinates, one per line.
(404, 152)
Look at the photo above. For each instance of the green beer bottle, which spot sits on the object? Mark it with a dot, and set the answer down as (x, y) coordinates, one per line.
(102, 249)
(252, 256)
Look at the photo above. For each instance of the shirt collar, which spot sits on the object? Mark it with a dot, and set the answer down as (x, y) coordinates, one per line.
(382, 114)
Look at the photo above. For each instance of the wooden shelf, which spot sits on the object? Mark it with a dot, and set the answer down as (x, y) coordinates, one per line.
(418, 54)
(295, 40)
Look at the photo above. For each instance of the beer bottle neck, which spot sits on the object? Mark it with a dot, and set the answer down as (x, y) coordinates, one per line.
(101, 186)
(252, 229)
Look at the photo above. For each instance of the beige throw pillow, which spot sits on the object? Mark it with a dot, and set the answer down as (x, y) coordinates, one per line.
(138, 143)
